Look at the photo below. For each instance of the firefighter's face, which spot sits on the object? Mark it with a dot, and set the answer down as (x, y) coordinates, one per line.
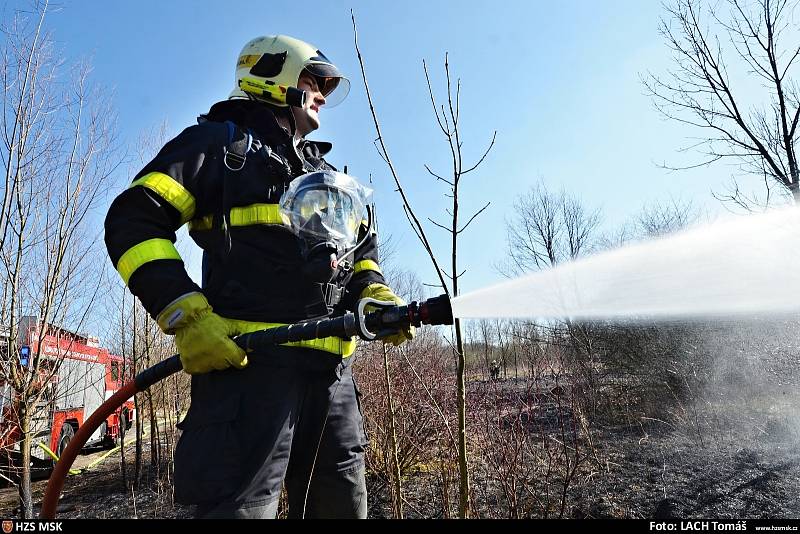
(307, 118)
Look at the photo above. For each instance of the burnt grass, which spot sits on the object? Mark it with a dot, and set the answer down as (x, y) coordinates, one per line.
(726, 457)
(666, 477)
(671, 476)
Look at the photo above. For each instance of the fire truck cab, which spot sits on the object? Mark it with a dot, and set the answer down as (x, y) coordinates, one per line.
(86, 374)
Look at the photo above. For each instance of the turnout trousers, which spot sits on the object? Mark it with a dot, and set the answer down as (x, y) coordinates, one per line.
(292, 415)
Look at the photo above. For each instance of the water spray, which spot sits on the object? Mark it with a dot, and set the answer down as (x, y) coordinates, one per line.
(386, 319)
(741, 266)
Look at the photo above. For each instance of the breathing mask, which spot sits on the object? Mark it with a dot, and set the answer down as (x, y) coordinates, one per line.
(325, 210)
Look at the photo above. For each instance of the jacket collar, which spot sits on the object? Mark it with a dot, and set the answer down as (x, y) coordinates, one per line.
(261, 119)
(314, 149)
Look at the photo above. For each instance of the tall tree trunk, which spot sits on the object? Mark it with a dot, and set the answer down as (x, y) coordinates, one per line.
(25, 497)
(123, 377)
(137, 465)
(463, 466)
(397, 493)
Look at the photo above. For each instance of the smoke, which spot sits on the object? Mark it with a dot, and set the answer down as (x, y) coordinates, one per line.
(753, 373)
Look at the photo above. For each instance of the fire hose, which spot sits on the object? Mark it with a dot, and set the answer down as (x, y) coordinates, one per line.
(387, 318)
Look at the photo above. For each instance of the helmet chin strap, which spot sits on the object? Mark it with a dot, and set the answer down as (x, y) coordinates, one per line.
(285, 118)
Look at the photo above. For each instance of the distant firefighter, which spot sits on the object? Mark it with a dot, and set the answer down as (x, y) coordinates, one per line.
(494, 370)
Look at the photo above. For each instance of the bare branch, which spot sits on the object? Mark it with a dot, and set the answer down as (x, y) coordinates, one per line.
(698, 92)
(446, 229)
(494, 136)
(473, 217)
(448, 182)
(445, 130)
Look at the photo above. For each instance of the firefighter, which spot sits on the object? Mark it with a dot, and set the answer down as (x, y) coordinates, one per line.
(291, 414)
(494, 370)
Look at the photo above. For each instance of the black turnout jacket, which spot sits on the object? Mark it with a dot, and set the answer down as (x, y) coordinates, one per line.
(252, 261)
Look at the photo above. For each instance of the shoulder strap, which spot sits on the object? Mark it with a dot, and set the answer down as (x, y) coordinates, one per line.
(237, 149)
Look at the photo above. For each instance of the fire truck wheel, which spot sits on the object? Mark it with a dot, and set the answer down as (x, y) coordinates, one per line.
(66, 434)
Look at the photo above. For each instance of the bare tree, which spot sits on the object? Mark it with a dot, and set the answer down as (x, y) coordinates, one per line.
(547, 228)
(143, 344)
(57, 152)
(711, 44)
(663, 218)
(447, 117)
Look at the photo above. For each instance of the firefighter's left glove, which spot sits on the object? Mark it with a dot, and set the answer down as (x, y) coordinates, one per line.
(203, 338)
(383, 293)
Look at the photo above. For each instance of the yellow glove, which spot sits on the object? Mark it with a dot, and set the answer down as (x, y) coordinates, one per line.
(381, 292)
(203, 338)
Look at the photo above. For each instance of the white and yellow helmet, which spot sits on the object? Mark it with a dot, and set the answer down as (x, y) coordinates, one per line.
(269, 67)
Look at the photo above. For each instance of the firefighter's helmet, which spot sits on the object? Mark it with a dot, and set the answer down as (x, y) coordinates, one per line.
(268, 66)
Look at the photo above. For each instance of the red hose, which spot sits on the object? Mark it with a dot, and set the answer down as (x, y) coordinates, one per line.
(56, 482)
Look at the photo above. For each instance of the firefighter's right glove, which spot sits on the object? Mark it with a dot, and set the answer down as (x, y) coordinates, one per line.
(383, 293)
(203, 338)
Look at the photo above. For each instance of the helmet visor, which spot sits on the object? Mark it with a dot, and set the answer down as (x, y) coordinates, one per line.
(332, 84)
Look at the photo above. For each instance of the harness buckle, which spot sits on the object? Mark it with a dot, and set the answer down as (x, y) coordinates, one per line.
(234, 151)
(236, 159)
(332, 294)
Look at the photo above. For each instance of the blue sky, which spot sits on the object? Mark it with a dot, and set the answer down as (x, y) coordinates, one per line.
(559, 81)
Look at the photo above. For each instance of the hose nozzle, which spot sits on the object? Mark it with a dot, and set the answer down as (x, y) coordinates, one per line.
(434, 311)
(389, 317)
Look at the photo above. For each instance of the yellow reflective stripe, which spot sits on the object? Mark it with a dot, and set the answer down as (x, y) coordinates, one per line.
(366, 265)
(245, 216)
(257, 214)
(146, 251)
(334, 345)
(171, 191)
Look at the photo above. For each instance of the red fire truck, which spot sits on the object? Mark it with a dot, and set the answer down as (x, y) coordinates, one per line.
(87, 375)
